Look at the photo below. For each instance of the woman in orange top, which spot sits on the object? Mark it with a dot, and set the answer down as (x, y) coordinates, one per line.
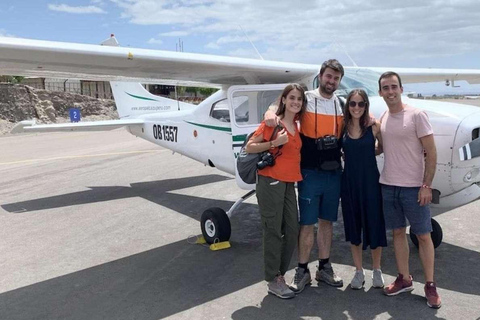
(275, 188)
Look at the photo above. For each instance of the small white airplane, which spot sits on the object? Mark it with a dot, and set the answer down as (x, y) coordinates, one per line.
(213, 131)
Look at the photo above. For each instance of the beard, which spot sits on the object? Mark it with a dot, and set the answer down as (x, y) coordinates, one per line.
(324, 89)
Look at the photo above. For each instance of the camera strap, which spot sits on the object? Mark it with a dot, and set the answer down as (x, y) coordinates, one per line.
(335, 127)
(316, 135)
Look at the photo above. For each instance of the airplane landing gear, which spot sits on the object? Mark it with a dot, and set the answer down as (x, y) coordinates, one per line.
(437, 235)
(215, 225)
(215, 222)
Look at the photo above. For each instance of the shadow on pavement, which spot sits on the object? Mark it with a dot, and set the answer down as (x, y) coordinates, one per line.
(330, 303)
(180, 276)
(153, 191)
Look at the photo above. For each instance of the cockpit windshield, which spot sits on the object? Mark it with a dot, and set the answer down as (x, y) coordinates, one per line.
(357, 79)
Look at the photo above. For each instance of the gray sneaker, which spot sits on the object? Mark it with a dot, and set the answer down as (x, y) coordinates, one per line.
(301, 280)
(358, 280)
(328, 276)
(377, 279)
(279, 288)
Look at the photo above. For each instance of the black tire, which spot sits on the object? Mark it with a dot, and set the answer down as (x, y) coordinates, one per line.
(437, 235)
(215, 225)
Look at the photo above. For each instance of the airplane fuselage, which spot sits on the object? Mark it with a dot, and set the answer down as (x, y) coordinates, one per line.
(198, 135)
(193, 133)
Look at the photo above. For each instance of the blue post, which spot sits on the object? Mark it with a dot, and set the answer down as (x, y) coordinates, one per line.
(74, 115)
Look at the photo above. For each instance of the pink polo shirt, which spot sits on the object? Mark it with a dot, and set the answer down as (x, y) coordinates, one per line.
(404, 155)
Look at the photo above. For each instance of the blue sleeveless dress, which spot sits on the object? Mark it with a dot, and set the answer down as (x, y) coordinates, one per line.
(361, 193)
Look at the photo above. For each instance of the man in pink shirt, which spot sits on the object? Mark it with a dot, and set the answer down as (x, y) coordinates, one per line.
(409, 168)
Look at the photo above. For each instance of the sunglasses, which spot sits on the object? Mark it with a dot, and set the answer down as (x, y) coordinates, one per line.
(360, 104)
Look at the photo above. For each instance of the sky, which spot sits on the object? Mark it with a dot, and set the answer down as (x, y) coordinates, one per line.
(402, 33)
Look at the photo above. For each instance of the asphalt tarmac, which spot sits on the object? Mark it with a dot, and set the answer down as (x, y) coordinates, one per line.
(102, 225)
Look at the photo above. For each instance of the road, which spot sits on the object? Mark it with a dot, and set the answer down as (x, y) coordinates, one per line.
(102, 225)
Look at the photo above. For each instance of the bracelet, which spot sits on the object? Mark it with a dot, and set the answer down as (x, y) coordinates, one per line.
(426, 186)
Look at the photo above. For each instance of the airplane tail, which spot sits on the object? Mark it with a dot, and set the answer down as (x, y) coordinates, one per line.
(132, 99)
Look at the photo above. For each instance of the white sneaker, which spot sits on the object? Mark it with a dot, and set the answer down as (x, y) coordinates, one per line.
(377, 278)
(358, 280)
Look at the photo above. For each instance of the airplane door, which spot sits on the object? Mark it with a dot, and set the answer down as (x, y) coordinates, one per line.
(247, 105)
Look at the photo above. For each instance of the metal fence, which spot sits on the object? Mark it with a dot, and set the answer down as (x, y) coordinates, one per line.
(102, 89)
(96, 89)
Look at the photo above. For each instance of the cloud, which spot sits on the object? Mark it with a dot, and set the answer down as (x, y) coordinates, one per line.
(231, 39)
(212, 45)
(155, 41)
(175, 34)
(4, 33)
(77, 10)
(376, 32)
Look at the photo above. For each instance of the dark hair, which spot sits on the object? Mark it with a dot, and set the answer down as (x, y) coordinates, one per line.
(389, 74)
(366, 114)
(286, 91)
(332, 64)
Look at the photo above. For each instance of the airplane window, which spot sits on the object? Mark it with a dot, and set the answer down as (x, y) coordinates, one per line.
(251, 105)
(265, 100)
(241, 106)
(220, 111)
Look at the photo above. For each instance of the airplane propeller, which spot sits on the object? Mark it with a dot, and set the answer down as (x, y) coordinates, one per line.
(470, 150)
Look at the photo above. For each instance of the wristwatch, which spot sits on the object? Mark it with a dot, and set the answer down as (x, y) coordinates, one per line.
(426, 186)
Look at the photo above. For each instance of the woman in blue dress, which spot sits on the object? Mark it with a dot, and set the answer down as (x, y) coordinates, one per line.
(361, 193)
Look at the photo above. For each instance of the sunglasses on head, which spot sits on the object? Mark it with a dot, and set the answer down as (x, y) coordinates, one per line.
(361, 104)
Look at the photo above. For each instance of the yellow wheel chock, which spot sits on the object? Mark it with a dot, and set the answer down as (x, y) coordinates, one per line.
(214, 246)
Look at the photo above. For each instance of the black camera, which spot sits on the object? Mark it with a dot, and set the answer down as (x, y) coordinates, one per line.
(327, 143)
(266, 160)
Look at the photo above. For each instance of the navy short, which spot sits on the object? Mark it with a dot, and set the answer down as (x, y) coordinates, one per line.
(401, 204)
(319, 195)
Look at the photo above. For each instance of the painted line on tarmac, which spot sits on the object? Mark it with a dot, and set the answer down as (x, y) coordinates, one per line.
(80, 157)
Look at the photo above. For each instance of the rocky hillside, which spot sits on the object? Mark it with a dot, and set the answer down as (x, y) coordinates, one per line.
(19, 102)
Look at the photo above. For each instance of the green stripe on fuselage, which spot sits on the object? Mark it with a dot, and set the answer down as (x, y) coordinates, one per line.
(210, 127)
(240, 137)
(139, 97)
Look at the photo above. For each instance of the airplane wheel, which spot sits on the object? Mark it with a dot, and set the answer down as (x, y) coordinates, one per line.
(437, 235)
(215, 225)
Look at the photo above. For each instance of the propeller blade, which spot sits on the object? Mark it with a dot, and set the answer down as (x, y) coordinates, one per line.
(470, 150)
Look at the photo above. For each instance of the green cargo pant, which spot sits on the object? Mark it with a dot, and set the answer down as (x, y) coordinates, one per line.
(278, 207)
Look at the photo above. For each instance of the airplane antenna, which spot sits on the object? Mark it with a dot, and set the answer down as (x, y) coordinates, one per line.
(346, 53)
(251, 42)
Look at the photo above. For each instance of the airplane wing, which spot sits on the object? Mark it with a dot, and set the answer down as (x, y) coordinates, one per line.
(419, 75)
(31, 126)
(94, 62)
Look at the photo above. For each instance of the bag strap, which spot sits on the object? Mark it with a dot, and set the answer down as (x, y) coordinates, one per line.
(275, 131)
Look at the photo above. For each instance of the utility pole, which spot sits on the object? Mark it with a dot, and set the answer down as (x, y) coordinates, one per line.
(179, 45)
